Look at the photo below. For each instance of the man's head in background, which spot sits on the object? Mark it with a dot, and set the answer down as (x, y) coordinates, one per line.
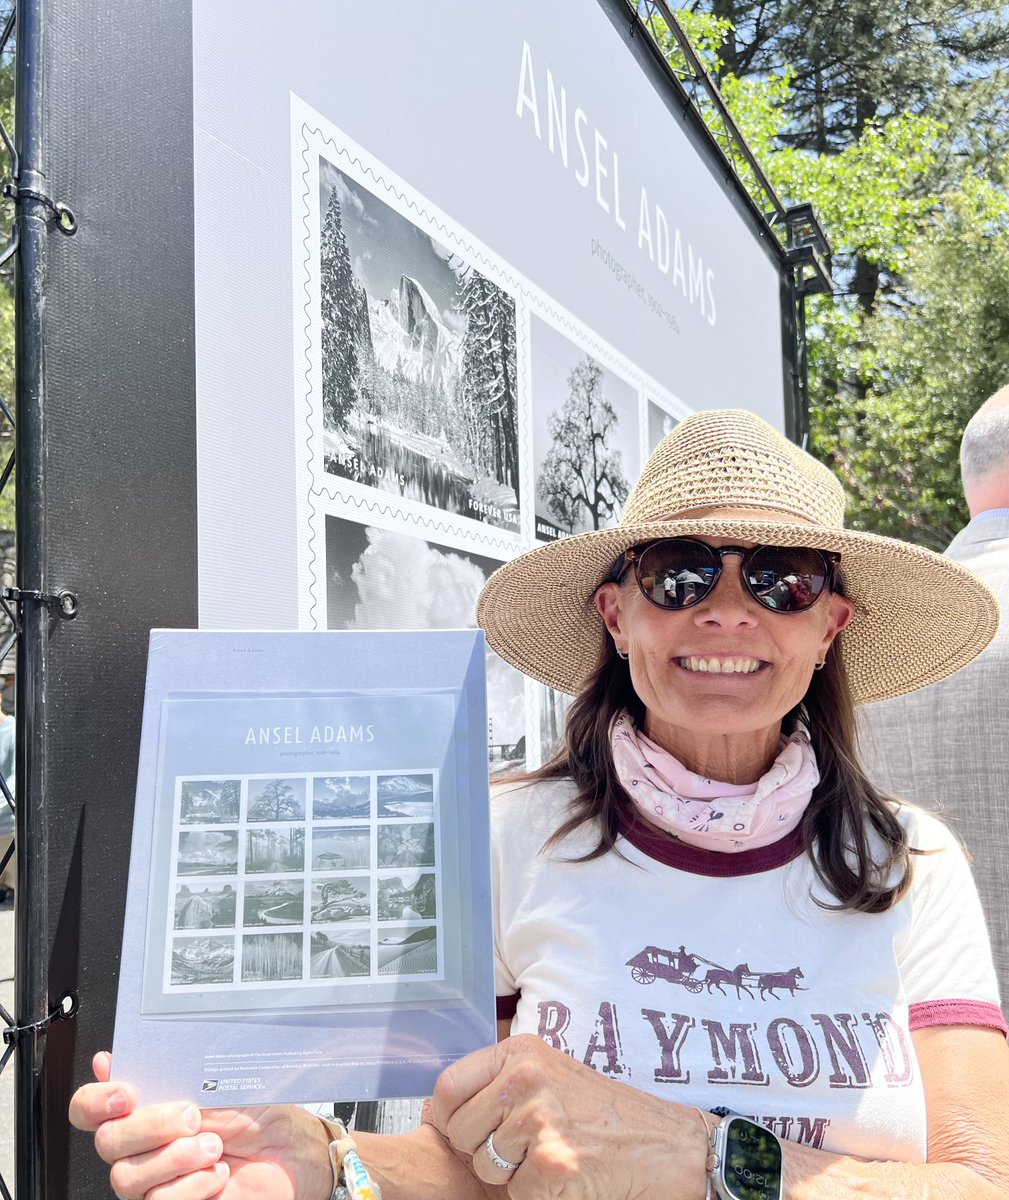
(984, 455)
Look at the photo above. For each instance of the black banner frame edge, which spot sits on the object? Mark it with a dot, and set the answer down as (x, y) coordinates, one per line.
(112, 127)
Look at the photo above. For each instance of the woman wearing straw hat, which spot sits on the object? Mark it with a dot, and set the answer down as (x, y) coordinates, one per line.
(704, 909)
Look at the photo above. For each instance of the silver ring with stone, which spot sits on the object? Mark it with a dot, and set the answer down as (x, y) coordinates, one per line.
(501, 1163)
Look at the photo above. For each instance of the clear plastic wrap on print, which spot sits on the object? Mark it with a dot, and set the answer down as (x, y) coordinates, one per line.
(308, 913)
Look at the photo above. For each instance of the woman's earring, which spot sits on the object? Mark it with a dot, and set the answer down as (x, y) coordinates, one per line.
(820, 665)
(620, 653)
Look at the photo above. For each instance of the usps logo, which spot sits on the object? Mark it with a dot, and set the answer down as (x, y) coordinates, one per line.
(210, 1085)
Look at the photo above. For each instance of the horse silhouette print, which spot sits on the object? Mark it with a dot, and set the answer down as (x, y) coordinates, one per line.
(683, 968)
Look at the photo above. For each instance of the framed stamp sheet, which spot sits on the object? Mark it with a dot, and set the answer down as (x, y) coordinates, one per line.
(308, 913)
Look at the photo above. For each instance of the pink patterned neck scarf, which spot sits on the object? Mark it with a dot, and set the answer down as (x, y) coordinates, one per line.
(703, 812)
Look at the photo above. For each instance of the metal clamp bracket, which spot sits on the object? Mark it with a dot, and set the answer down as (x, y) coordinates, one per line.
(66, 222)
(65, 1009)
(64, 602)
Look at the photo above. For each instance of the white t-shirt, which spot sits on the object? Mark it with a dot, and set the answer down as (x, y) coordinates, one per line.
(715, 979)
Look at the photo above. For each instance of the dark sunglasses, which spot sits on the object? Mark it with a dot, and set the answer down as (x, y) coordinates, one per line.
(676, 573)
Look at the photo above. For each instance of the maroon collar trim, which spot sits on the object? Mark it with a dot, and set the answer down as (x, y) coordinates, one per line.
(673, 853)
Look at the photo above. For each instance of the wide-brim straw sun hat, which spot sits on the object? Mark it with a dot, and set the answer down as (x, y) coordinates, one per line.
(918, 616)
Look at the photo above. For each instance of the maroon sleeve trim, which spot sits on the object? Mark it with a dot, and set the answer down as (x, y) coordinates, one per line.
(507, 1007)
(956, 1012)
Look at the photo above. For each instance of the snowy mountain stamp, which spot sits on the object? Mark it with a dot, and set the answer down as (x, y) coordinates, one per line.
(416, 352)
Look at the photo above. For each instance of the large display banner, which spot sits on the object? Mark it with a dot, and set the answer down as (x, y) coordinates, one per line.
(480, 269)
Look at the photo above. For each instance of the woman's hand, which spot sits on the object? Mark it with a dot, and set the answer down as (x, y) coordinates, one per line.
(571, 1130)
(178, 1152)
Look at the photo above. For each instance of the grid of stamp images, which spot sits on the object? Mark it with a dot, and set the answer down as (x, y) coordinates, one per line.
(304, 879)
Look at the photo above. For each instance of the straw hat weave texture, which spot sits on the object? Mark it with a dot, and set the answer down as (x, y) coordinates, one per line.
(702, 462)
(918, 616)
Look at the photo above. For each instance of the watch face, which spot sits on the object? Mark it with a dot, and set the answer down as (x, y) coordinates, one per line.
(751, 1162)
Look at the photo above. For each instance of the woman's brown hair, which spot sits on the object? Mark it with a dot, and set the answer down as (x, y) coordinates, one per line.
(845, 815)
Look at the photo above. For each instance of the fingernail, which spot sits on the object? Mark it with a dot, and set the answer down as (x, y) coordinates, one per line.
(210, 1143)
(221, 1170)
(191, 1118)
(116, 1104)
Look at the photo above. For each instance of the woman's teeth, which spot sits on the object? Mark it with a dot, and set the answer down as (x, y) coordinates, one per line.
(721, 666)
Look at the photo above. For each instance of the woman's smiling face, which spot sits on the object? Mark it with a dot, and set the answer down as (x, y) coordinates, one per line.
(726, 666)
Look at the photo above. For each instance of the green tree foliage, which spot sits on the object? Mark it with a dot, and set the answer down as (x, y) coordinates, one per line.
(889, 118)
(931, 356)
(865, 61)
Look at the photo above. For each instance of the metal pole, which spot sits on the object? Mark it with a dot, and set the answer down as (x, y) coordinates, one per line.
(32, 904)
(802, 424)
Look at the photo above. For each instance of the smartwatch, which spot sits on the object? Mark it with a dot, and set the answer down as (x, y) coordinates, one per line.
(744, 1159)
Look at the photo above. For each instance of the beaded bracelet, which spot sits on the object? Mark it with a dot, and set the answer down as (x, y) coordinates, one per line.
(351, 1180)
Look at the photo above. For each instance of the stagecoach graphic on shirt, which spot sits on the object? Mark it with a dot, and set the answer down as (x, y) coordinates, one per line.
(696, 974)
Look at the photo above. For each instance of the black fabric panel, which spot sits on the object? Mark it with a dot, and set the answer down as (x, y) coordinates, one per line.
(120, 491)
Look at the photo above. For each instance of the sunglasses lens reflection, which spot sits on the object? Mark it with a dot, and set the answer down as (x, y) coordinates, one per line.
(678, 572)
(786, 578)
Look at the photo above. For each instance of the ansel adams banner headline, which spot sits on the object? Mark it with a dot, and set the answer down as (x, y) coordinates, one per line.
(599, 173)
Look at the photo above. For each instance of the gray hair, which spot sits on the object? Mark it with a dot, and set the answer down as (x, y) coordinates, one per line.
(985, 445)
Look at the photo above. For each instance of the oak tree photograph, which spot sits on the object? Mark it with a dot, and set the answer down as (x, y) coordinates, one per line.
(276, 799)
(585, 437)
